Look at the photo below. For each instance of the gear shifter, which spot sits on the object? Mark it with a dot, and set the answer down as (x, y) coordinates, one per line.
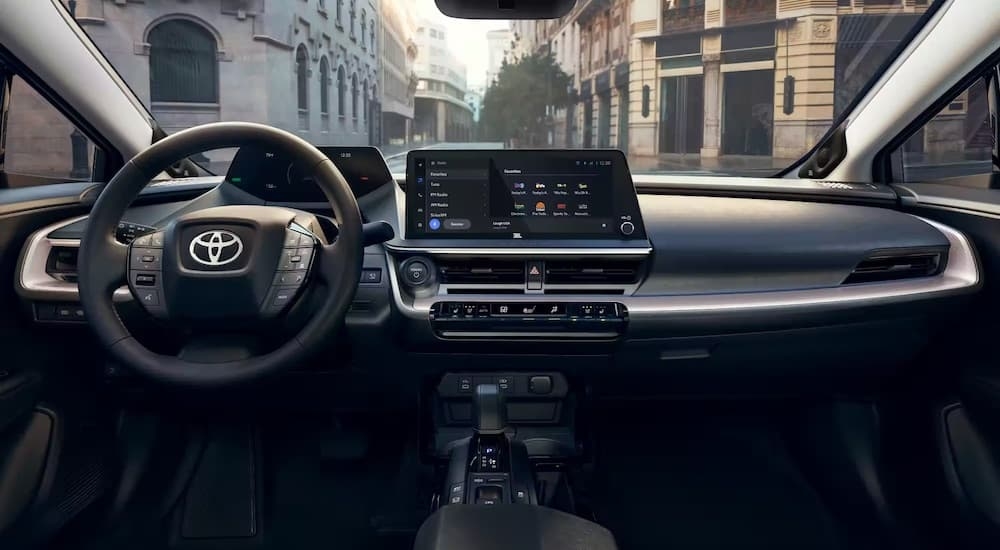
(490, 468)
(489, 411)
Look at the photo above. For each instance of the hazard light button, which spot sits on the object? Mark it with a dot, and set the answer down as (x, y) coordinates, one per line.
(536, 272)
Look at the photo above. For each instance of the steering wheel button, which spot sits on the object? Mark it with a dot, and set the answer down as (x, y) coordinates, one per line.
(293, 239)
(144, 240)
(148, 297)
(282, 297)
(146, 258)
(156, 240)
(145, 279)
(289, 278)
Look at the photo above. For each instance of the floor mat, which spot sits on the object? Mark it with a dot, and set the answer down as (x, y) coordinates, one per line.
(314, 503)
(697, 480)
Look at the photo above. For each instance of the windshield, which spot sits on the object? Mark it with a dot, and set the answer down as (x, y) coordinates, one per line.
(740, 87)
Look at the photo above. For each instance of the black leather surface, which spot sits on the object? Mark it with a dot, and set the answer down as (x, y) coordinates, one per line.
(508, 527)
(721, 244)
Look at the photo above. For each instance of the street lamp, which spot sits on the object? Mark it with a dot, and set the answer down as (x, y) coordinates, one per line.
(78, 141)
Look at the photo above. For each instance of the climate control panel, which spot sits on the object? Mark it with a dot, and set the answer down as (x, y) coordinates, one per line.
(541, 319)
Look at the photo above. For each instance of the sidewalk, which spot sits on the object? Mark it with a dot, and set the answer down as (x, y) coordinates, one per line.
(694, 164)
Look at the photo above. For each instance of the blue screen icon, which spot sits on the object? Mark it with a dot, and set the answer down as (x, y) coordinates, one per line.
(434, 224)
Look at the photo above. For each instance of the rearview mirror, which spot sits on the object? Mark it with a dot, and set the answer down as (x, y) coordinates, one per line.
(505, 9)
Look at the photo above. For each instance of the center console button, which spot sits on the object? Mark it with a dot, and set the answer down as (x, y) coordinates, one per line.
(489, 494)
(540, 385)
(536, 272)
(416, 272)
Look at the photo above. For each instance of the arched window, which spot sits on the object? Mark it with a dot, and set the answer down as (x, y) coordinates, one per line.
(340, 12)
(324, 86)
(364, 102)
(354, 96)
(183, 66)
(353, 16)
(341, 91)
(371, 34)
(302, 76)
(364, 29)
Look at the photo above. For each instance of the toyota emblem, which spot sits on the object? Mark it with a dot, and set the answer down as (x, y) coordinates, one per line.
(216, 247)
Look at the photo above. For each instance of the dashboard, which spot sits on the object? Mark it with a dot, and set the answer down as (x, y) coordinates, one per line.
(526, 253)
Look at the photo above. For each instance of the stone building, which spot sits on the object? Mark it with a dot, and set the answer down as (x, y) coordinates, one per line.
(440, 111)
(498, 46)
(399, 80)
(709, 77)
(308, 66)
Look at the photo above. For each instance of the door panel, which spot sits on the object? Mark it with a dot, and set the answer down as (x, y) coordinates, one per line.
(968, 428)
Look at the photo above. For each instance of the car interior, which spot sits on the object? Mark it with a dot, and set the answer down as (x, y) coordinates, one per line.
(497, 347)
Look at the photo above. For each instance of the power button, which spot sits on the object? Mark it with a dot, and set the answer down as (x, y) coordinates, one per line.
(627, 228)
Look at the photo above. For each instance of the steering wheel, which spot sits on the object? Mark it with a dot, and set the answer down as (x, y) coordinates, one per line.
(212, 266)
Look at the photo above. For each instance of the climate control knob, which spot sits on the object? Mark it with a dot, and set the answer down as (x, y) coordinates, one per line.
(627, 228)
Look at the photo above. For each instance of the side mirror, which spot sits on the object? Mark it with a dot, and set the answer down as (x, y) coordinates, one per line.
(505, 9)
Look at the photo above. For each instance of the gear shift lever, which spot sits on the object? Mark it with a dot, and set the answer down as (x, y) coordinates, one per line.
(489, 411)
(509, 477)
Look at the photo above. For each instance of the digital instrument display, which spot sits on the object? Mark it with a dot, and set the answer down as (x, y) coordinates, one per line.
(526, 194)
(273, 177)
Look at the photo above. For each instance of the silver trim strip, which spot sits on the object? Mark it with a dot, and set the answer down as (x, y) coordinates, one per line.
(33, 283)
(962, 272)
(486, 251)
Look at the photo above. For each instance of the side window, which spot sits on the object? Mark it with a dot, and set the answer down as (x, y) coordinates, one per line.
(41, 145)
(955, 142)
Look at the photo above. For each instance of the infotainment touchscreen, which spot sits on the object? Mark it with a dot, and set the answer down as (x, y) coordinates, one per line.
(521, 194)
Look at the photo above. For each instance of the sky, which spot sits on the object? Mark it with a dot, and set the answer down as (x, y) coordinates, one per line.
(466, 38)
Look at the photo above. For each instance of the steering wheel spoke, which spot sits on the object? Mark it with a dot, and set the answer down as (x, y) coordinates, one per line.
(331, 263)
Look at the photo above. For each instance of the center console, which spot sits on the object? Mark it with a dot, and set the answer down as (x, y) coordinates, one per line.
(519, 245)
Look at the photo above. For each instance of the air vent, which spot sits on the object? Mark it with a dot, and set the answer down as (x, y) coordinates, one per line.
(592, 272)
(61, 263)
(481, 272)
(894, 267)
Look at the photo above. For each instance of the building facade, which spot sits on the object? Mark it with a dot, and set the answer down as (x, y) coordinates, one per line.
(307, 66)
(498, 46)
(752, 78)
(713, 81)
(440, 110)
(399, 80)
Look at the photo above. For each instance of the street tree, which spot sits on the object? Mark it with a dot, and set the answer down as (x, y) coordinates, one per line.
(517, 106)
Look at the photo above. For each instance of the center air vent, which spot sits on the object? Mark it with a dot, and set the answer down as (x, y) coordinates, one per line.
(894, 267)
(481, 272)
(592, 272)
